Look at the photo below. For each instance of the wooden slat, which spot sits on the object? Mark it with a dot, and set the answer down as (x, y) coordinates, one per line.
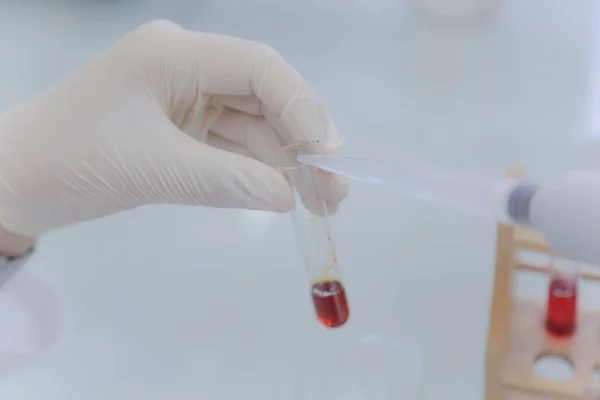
(586, 275)
(500, 315)
(500, 312)
(529, 340)
(527, 239)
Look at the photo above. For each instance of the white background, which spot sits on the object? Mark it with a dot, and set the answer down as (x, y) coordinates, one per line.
(188, 303)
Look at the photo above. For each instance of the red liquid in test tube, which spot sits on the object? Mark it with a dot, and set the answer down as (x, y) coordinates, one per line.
(561, 317)
(331, 305)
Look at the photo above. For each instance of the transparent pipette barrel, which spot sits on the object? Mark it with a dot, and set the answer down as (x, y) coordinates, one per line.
(477, 195)
(315, 244)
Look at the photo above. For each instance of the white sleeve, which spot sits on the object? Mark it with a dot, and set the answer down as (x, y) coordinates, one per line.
(9, 266)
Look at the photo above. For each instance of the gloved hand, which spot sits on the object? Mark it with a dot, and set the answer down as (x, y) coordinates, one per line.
(166, 115)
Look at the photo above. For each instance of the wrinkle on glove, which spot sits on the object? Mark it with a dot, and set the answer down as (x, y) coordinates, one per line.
(165, 116)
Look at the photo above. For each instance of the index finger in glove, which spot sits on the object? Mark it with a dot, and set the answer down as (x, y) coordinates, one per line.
(261, 139)
(239, 67)
(228, 66)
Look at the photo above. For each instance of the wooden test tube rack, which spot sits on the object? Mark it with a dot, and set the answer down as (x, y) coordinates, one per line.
(517, 335)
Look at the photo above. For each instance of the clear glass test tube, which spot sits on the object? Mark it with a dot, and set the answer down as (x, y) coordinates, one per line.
(315, 244)
(561, 314)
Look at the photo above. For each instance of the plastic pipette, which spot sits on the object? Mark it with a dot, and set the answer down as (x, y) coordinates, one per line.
(478, 195)
(566, 210)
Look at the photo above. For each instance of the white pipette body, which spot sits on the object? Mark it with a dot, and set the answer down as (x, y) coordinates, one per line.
(566, 210)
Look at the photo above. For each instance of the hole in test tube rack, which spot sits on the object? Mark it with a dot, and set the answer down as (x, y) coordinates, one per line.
(553, 368)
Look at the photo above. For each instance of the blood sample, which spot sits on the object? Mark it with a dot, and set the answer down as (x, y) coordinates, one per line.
(561, 317)
(310, 221)
(329, 298)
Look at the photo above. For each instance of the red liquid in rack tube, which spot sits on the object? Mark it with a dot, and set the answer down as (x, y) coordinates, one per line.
(561, 318)
(331, 305)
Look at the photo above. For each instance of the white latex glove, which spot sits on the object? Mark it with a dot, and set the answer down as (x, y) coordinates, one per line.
(166, 115)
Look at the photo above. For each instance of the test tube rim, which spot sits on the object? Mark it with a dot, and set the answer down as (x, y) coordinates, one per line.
(565, 268)
(284, 150)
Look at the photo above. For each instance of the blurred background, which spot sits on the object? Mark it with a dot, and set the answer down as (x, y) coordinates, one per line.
(182, 303)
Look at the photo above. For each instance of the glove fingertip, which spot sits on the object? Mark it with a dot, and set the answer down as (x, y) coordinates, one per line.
(332, 208)
(333, 188)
